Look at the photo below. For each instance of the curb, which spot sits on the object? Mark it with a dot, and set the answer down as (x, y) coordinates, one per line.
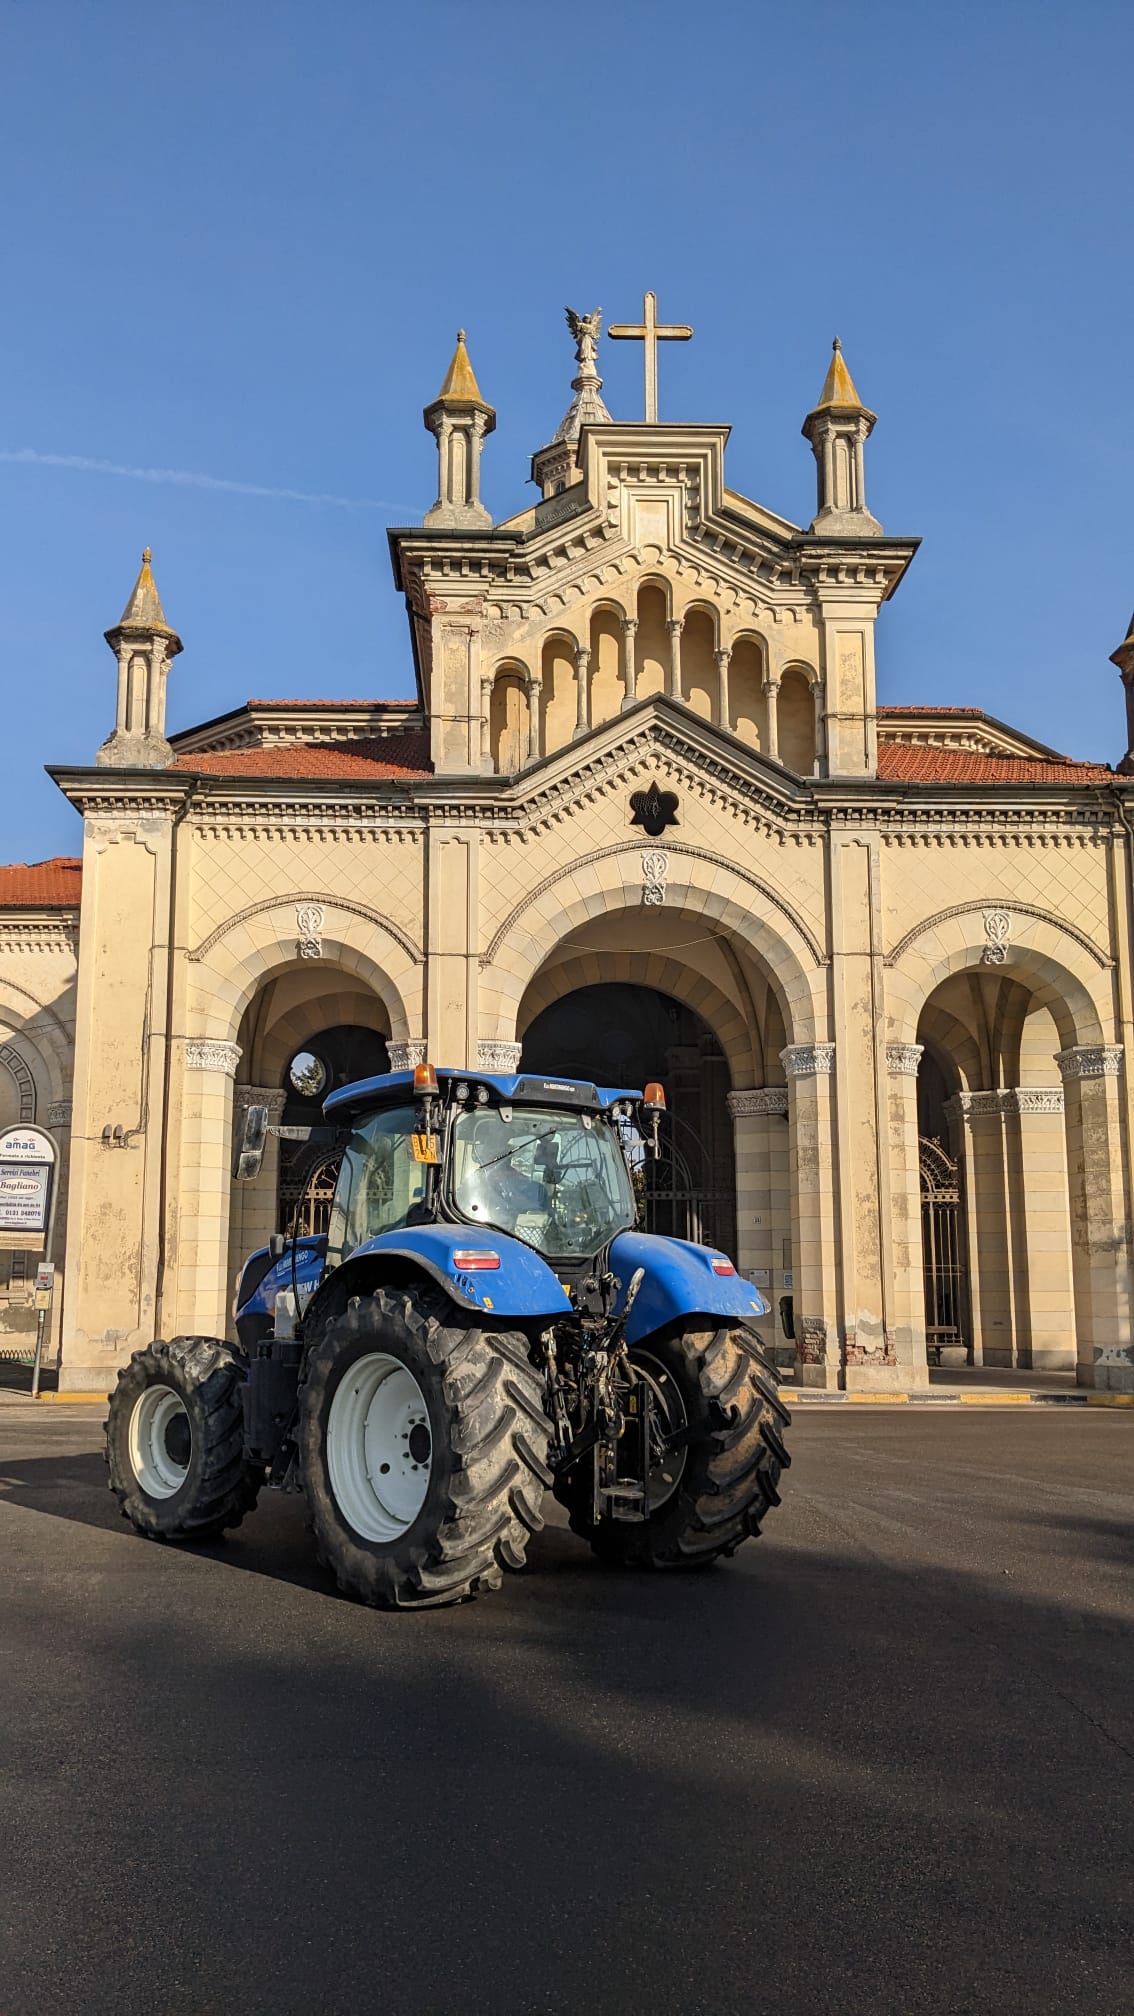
(797, 1396)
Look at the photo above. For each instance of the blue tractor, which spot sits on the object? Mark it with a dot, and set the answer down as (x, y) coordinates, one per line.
(481, 1323)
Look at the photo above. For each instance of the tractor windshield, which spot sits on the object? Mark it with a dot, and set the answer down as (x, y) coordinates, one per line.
(556, 1180)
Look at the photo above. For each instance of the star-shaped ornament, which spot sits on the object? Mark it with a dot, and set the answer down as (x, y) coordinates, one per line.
(654, 809)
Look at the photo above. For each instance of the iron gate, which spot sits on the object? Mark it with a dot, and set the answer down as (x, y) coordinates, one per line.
(941, 1249)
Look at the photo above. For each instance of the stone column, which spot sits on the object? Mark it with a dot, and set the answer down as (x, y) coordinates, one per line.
(255, 1204)
(1036, 1156)
(907, 1293)
(675, 627)
(977, 1119)
(629, 665)
(486, 724)
(582, 686)
(475, 445)
(772, 710)
(808, 1067)
(723, 658)
(763, 1201)
(535, 725)
(1100, 1226)
(203, 1286)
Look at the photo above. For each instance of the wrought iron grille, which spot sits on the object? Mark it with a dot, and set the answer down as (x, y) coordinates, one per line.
(942, 1249)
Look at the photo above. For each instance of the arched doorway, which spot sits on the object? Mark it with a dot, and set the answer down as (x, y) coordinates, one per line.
(944, 1241)
(308, 1168)
(619, 1033)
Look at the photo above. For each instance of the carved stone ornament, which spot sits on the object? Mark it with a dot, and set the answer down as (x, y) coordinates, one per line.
(655, 868)
(1020, 1099)
(808, 1060)
(274, 1097)
(1090, 1060)
(59, 1113)
(1036, 1099)
(765, 1099)
(902, 1059)
(492, 1055)
(654, 809)
(997, 931)
(403, 1056)
(309, 924)
(205, 1055)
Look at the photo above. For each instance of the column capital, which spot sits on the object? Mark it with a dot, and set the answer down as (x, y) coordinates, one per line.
(274, 1097)
(902, 1059)
(494, 1054)
(765, 1099)
(1090, 1060)
(403, 1056)
(202, 1054)
(808, 1060)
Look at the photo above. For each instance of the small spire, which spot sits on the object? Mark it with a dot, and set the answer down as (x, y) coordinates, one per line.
(460, 378)
(838, 386)
(143, 611)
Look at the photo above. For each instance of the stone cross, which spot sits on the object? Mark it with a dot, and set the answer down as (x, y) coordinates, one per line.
(649, 332)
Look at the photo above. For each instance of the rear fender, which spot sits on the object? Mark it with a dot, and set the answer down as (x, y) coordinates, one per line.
(679, 1284)
(522, 1289)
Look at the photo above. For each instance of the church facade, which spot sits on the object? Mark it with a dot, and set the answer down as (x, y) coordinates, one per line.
(643, 816)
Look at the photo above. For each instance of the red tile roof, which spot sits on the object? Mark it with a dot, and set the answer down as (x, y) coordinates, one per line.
(366, 761)
(977, 711)
(914, 763)
(368, 704)
(41, 885)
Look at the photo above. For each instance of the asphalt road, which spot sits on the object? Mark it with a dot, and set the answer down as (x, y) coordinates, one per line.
(880, 1762)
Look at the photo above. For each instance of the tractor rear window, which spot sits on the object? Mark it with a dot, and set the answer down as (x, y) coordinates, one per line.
(379, 1182)
(555, 1180)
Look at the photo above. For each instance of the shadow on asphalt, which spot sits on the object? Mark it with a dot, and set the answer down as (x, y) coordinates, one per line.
(883, 1784)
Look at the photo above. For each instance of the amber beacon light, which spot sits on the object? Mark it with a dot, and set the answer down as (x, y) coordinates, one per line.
(424, 1081)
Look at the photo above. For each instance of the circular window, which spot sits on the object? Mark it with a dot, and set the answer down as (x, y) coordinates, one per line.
(307, 1074)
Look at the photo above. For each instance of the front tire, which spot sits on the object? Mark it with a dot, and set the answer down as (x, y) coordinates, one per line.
(718, 1392)
(175, 1441)
(424, 1451)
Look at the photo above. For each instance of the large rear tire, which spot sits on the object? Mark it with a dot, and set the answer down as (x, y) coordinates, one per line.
(717, 1393)
(175, 1441)
(424, 1451)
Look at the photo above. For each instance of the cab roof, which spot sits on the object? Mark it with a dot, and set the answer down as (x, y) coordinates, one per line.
(523, 1088)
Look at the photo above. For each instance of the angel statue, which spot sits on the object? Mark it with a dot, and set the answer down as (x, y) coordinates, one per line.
(586, 329)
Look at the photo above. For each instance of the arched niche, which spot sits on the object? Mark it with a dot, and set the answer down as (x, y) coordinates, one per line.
(608, 686)
(747, 715)
(699, 680)
(558, 704)
(796, 721)
(651, 644)
(509, 721)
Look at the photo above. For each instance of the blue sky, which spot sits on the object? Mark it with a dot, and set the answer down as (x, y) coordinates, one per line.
(237, 241)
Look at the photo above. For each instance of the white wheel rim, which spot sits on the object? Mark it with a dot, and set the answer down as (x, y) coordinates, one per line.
(379, 1448)
(154, 1426)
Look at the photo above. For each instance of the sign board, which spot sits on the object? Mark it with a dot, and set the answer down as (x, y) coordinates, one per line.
(27, 1163)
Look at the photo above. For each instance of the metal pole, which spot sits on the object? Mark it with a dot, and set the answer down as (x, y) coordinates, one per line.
(41, 1323)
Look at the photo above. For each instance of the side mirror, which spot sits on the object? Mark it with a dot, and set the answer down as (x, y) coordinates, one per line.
(250, 1149)
(277, 1245)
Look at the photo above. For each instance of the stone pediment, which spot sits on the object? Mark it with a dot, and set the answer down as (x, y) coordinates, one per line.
(660, 740)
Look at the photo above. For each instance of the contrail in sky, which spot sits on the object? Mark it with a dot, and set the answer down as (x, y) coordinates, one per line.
(193, 479)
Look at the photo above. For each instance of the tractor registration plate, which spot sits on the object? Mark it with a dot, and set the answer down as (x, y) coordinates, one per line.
(424, 1147)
